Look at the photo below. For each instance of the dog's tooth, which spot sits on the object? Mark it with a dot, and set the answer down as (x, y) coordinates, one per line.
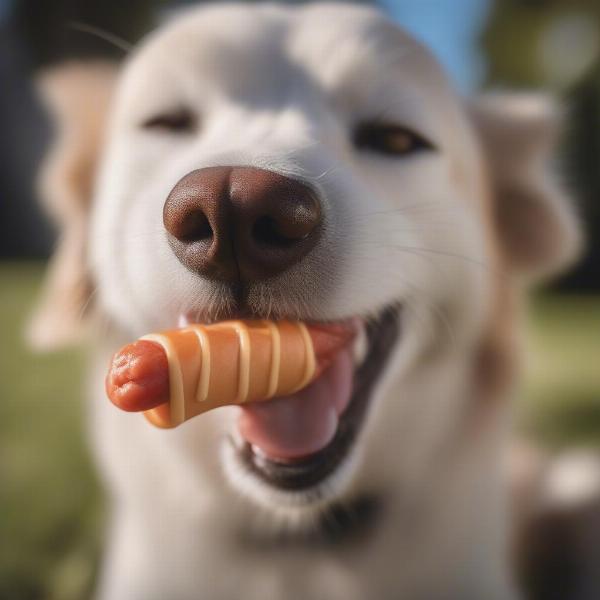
(237, 439)
(258, 451)
(360, 346)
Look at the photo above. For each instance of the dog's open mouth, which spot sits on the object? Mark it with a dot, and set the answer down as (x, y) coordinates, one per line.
(320, 377)
(297, 441)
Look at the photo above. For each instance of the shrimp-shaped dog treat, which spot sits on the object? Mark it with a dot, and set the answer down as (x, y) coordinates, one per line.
(175, 375)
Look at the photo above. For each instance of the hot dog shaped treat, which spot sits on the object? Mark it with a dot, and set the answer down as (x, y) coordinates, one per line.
(175, 375)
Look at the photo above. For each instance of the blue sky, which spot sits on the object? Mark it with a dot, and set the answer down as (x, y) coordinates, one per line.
(450, 29)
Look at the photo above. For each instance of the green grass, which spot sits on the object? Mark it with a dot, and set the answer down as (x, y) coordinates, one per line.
(50, 504)
(561, 398)
(50, 507)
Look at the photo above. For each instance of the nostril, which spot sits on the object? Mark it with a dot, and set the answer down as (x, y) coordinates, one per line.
(289, 223)
(193, 227)
(300, 219)
(268, 232)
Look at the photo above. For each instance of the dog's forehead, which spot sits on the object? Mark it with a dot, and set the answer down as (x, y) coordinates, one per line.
(237, 47)
(337, 41)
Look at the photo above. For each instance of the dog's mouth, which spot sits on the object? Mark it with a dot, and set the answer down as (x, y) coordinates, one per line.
(296, 442)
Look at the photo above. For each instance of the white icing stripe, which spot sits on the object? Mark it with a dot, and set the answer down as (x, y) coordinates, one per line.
(309, 357)
(204, 377)
(275, 359)
(244, 361)
(176, 399)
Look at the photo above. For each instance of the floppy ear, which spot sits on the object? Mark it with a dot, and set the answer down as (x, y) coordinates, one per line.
(76, 96)
(536, 223)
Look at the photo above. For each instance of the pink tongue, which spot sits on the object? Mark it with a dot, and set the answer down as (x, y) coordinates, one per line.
(303, 423)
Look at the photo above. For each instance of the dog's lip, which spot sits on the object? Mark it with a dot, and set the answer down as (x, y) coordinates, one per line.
(307, 471)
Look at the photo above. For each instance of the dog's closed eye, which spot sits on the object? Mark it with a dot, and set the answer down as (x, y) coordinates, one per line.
(179, 120)
(389, 139)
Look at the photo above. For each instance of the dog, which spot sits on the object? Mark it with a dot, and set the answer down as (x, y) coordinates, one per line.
(431, 216)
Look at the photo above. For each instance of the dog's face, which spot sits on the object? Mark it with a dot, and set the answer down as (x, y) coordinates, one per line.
(406, 236)
(335, 97)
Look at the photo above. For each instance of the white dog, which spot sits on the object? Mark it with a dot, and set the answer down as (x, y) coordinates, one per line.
(429, 213)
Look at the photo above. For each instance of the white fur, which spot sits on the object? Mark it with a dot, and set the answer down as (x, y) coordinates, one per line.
(281, 87)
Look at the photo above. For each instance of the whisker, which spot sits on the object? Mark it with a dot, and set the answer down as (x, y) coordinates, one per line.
(417, 208)
(480, 263)
(434, 308)
(410, 249)
(87, 303)
(327, 172)
(102, 34)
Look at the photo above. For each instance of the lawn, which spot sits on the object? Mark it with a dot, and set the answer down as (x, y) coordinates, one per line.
(560, 402)
(50, 504)
(50, 507)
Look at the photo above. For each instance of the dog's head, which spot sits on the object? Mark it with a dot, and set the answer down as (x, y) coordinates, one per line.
(310, 163)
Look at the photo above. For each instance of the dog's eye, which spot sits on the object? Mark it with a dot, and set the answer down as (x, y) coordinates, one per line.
(180, 120)
(390, 139)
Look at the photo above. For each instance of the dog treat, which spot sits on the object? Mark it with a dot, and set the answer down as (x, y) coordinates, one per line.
(175, 375)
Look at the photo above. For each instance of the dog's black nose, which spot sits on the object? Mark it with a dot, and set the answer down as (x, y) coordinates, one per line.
(241, 223)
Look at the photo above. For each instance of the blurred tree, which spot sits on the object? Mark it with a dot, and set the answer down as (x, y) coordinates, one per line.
(582, 159)
(48, 31)
(549, 43)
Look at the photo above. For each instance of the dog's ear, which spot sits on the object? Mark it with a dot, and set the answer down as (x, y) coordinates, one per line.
(536, 222)
(77, 96)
